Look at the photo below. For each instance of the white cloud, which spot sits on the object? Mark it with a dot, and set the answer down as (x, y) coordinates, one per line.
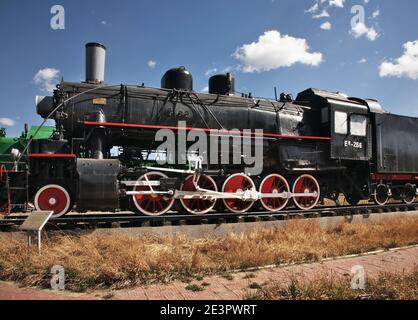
(323, 14)
(46, 79)
(211, 72)
(320, 8)
(313, 9)
(363, 60)
(103, 22)
(227, 69)
(326, 26)
(360, 29)
(205, 89)
(404, 66)
(152, 64)
(7, 122)
(326, 3)
(335, 3)
(274, 50)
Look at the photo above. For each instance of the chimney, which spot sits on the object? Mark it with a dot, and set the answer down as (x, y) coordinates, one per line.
(95, 62)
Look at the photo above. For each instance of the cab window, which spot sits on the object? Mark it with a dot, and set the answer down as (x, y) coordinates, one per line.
(340, 121)
(358, 125)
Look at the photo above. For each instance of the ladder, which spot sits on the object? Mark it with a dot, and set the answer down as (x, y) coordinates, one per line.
(15, 190)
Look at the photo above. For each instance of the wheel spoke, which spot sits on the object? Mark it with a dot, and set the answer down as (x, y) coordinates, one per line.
(198, 205)
(409, 194)
(272, 184)
(381, 195)
(306, 184)
(233, 184)
(152, 204)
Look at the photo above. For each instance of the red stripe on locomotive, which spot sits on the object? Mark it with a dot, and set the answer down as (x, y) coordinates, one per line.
(145, 126)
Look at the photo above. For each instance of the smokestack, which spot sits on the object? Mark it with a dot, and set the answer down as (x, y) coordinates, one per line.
(95, 62)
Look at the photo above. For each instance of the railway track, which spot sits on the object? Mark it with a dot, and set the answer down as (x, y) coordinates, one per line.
(131, 220)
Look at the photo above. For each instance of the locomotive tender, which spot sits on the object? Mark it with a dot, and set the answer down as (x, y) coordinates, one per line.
(315, 147)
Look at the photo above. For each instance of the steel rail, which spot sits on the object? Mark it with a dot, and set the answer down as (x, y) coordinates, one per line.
(127, 219)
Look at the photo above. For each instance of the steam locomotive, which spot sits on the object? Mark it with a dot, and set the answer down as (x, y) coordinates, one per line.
(103, 153)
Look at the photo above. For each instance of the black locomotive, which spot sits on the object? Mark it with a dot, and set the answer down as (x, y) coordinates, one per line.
(104, 155)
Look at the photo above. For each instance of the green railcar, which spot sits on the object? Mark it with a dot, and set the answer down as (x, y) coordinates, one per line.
(19, 143)
(14, 176)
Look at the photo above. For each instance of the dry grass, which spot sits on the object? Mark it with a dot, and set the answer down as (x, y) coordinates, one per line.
(329, 287)
(102, 261)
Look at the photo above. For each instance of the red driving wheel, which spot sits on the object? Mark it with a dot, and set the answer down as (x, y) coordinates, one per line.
(198, 205)
(309, 185)
(234, 184)
(54, 198)
(274, 183)
(152, 204)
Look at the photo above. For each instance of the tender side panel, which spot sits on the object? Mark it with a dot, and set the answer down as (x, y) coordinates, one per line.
(396, 147)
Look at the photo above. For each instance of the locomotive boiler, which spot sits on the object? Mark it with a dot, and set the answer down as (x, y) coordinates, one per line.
(105, 151)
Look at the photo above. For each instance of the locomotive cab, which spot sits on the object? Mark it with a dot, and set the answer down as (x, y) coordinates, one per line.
(350, 132)
(346, 120)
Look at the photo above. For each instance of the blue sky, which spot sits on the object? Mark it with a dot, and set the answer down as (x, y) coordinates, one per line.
(204, 35)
